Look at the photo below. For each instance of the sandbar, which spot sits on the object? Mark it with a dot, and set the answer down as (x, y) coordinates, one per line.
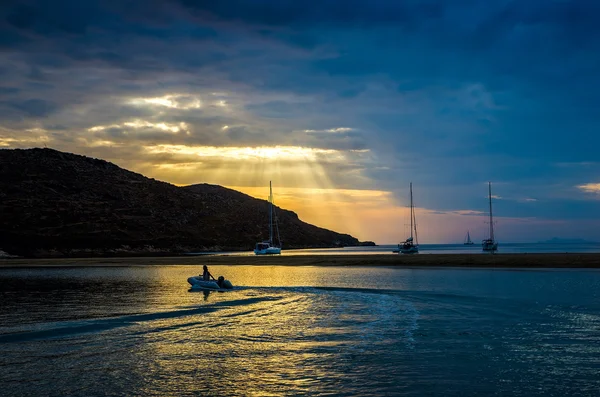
(540, 260)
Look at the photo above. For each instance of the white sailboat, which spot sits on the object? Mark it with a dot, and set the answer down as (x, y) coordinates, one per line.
(490, 244)
(411, 245)
(468, 240)
(268, 247)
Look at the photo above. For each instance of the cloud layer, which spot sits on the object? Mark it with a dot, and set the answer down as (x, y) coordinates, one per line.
(361, 95)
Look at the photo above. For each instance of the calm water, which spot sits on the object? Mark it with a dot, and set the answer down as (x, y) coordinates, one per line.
(504, 248)
(299, 331)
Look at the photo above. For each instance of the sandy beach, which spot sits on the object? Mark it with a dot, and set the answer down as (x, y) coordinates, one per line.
(546, 260)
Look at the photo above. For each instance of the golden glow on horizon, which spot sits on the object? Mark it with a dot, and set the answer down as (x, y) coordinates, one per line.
(341, 210)
(287, 195)
(375, 214)
(300, 175)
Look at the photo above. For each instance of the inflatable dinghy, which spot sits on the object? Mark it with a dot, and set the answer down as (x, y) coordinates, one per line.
(219, 285)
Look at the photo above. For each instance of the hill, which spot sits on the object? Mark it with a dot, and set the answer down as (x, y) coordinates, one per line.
(61, 204)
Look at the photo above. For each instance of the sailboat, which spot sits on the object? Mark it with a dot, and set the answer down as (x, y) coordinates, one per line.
(468, 239)
(268, 247)
(490, 244)
(411, 245)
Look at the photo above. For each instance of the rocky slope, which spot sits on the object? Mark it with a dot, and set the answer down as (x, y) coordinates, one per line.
(54, 204)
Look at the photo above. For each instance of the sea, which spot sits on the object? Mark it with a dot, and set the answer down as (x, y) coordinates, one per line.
(504, 248)
(299, 331)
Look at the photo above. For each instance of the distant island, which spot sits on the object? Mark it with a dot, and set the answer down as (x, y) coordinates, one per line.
(56, 204)
(556, 240)
(367, 244)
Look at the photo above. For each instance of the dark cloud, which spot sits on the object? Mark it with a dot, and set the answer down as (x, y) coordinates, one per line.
(279, 109)
(10, 39)
(35, 107)
(54, 18)
(8, 90)
(291, 13)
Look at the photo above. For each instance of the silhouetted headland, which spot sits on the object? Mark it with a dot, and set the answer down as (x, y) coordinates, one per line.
(56, 204)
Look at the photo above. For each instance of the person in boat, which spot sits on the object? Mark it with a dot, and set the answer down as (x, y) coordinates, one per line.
(206, 276)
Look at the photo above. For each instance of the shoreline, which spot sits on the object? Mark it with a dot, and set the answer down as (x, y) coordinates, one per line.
(516, 261)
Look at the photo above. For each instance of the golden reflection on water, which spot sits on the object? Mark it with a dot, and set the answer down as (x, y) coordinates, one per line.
(256, 343)
(280, 338)
(370, 331)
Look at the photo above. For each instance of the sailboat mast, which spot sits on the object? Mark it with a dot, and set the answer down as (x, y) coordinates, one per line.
(270, 214)
(491, 218)
(411, 212)
(415, 226)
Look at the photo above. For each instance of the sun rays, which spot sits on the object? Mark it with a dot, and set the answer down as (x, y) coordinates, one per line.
(302, 178)
(250, 167)
(323, 171)
(279, 153)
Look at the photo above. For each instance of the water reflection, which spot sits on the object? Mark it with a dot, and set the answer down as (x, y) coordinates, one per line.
(205, 293)
(309, 330)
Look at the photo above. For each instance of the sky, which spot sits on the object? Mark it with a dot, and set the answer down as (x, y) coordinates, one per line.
(341, 104)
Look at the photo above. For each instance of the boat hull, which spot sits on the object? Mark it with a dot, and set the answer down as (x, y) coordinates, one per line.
(413, 249)
(489, 246)
(268, 251)
(409, 251)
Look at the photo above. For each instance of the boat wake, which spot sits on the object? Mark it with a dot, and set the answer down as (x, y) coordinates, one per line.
(70, 328)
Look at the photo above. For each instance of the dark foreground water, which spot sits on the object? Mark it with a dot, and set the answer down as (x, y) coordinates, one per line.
(299, 331)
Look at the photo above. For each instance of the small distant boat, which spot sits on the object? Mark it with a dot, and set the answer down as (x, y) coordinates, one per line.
(268, 247)
(468, 239)
(197, 282)
(411, 245)
(490, 244)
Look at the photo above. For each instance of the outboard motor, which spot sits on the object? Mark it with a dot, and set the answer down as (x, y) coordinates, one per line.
(227, 284)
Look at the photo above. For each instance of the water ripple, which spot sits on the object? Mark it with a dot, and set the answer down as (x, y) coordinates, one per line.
(291, 331)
